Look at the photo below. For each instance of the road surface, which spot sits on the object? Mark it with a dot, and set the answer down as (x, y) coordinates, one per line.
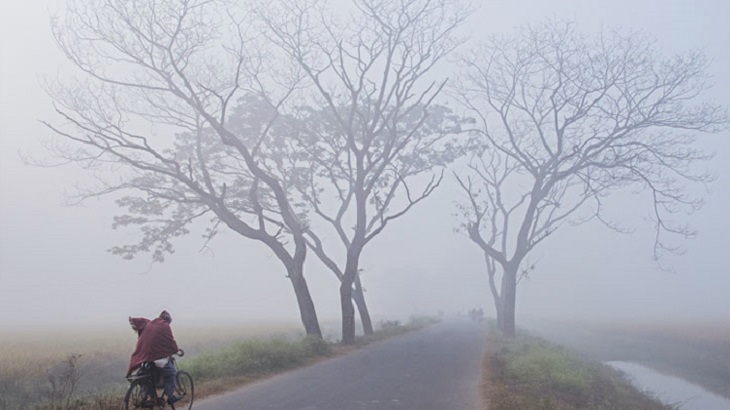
(437, 368)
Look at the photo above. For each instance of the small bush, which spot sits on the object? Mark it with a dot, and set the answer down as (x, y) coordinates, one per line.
(389, 324)
(422, 321)
(64, 378)
(316, 347)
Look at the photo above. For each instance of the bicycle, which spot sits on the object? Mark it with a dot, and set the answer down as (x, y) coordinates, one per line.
(145, 383)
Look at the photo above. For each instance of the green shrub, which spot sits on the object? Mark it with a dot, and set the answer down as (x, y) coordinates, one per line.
(421, 321)
(389, 324)
(542, 364)
(255, 357)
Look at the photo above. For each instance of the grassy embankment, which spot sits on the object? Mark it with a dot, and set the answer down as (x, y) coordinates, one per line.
(216, 363)
(529, 373)
(697, 351)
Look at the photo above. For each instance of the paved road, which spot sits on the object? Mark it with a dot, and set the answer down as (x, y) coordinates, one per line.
(437, 368)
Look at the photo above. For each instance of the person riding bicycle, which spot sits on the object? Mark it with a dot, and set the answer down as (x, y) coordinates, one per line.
(155, 343)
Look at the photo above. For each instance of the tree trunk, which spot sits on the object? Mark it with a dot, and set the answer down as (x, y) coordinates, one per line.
(496, 297)
(498, 307)
(348, 279)
(348, 311)
(362, 307)
(500, 315)
(306, 305)
(509, 298)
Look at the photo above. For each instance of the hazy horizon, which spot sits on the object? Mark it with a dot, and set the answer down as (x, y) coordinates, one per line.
(55, 270)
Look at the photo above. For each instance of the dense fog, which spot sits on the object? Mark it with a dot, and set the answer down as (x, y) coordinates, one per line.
(55, 270)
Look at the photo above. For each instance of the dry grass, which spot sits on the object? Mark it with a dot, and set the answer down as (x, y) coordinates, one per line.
(26, 356)
(24, 359)
(712, 333)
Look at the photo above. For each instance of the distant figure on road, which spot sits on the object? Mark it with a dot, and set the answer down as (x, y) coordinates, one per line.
(155, 343)
(476, 315)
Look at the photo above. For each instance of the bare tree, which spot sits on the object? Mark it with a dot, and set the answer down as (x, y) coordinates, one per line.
(377, 131)
(331, 173)
(564, 120)
(160, 81)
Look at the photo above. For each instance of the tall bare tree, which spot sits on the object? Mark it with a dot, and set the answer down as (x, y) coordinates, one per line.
(331, 173)
(564, 120)
(377, 130)
(160, 80)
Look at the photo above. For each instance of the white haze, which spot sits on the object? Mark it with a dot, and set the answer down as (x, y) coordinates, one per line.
(55, 271)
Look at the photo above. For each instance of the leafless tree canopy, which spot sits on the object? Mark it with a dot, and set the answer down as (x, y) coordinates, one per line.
(368, 125)
(155, 70)
(374, 127)
(277, 118)
(159, 83)
(563, 120)
(578, 118)
(250, 114)
(374, 123)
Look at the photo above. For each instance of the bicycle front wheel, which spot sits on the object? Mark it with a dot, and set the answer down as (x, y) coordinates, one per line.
(136, 397)
(185, 390)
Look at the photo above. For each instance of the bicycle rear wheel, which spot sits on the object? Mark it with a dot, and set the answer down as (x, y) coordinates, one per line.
(185, 390)
(137, 397)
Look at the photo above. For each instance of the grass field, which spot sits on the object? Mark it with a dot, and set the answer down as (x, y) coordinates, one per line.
(26, 357)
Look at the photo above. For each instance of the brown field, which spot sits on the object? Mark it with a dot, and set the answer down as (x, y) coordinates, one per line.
(695, 351)
(26, 356)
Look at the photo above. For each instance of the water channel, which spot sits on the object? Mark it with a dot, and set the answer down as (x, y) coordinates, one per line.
(670, 389)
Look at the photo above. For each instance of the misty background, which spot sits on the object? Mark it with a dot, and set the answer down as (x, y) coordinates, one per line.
(55, 269)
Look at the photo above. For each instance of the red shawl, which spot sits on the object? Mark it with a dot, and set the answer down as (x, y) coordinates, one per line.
(155, 341)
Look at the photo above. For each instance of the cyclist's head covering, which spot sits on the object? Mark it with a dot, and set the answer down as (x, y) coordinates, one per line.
(166, 316)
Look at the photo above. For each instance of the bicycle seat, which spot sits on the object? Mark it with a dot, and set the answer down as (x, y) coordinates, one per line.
(144, 370)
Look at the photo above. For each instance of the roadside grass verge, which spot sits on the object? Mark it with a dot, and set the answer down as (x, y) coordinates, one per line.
(251, 360)
(390, 328)
(529, 373)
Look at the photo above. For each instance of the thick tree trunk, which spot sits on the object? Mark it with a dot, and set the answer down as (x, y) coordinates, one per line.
(348, 311)
(509, 299)
(362, 307)
(496, 297)
(498, 307)
(306, 306)
(500, 315)
(348, 279)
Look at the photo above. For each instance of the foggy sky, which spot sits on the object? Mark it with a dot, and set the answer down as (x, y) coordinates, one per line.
(54, 268)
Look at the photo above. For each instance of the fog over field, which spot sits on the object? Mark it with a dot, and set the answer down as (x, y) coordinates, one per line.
(55, 271)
